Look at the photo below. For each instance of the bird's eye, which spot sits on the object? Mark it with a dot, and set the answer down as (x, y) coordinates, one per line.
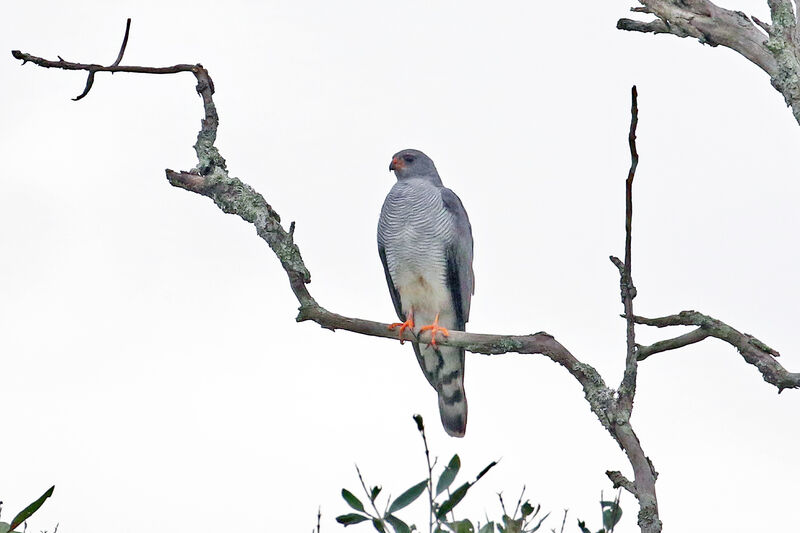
(408, 158)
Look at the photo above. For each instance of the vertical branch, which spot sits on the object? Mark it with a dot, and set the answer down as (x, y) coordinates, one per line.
(627, 388)
(644, 483)
(124, 44)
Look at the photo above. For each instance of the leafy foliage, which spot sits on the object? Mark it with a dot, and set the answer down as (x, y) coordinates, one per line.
(443, 502)
(26, 513)
(612, 513)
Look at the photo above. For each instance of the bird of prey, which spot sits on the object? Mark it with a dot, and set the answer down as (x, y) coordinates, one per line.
(425, 245)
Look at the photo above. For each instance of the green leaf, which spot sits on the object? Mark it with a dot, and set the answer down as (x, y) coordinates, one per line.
(378, 524)
(452, 501)
(487, 528)
(582, 525)
(488, 467)
(350, 519)
(4, 527)
(398, 525)
(464, 526)
(374, 493)
(352, 501)
(408, 496)
(527, 509)
(611, 514)
(32, 508)
(449, 474)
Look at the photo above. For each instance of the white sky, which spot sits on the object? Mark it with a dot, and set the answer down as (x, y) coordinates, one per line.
(152, 368)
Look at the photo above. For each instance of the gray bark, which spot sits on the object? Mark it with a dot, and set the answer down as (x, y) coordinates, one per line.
(772, 47)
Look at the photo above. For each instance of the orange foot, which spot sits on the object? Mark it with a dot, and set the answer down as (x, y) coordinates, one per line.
(435, 328)
(408, 324)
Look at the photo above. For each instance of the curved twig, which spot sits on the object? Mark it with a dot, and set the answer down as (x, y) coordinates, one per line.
(697, 335)
(124, 44)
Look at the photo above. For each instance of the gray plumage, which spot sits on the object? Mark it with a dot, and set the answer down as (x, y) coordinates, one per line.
(425, 245)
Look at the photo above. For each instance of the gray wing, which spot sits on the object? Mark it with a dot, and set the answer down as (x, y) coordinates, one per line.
(460, 277)
(392, 289)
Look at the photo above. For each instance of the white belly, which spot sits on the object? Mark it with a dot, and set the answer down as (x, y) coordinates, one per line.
(424, 291)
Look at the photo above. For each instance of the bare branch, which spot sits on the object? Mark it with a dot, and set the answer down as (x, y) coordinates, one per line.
(670, 344)
(627, 389)
(774, 50)
(752, 350)
(67, 65)
(710, 24)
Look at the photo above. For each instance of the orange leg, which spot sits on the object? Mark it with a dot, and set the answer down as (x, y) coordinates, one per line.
(435, 328)
(408, 324)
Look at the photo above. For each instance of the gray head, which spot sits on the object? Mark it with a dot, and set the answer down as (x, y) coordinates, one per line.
(414, 164)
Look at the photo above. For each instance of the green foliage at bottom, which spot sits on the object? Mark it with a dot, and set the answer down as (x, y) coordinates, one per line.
(26, 513)
(442, 503)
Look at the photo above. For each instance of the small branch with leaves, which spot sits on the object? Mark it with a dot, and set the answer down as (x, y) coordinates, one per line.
(437, 510)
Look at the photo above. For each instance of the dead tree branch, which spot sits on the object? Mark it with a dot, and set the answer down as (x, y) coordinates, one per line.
(752, 350)
(772, 47)
(627, 389)
(613, 408)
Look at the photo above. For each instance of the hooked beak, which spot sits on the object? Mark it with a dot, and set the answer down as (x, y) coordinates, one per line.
(396, 164)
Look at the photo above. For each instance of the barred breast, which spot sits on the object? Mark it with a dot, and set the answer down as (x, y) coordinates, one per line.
(415, 228)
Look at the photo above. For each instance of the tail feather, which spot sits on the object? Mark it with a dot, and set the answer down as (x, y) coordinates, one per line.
(453, 409)
(444, 369)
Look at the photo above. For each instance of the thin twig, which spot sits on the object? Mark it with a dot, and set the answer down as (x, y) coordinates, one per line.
(564, 521)
(421, 428)
(502, 504)
(124, 44)
(643, 352)
(366, 491)
(519, 501)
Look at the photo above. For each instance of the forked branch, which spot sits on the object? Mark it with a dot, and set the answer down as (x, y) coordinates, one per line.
(753, 351)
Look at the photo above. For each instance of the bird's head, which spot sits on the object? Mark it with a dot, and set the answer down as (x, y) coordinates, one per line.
(412, 164)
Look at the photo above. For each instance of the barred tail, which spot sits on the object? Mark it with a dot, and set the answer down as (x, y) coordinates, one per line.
(444, 368)
(453, 407)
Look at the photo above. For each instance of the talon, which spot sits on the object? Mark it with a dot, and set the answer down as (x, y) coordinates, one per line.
(408, 324)
(435, 328)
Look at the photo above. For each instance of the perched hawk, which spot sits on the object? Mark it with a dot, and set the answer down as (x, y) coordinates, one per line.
(425, 244)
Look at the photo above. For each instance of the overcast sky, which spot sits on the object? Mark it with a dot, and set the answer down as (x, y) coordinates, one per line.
(151, 365)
